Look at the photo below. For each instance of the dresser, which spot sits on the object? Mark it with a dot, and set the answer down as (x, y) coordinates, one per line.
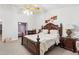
(31, 32)
(68, 43)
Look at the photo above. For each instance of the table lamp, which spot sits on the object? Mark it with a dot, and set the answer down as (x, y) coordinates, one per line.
(69, 31)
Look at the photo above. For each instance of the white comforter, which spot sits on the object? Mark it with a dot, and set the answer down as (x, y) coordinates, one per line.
(46, 40)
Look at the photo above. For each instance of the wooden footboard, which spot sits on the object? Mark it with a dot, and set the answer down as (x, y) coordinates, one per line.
(32, 46)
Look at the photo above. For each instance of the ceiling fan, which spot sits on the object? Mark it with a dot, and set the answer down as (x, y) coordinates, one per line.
(31, 8)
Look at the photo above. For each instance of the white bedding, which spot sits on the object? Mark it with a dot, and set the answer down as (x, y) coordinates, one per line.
(46, 40)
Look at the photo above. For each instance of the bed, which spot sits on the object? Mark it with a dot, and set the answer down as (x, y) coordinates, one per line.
(42, 42)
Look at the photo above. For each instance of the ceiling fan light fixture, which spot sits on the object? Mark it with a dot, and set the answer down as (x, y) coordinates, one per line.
(31, 9)
(28, 12)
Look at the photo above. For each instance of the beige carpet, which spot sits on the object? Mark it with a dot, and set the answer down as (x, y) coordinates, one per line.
(0, 37)
(60, 51)
(15, 48)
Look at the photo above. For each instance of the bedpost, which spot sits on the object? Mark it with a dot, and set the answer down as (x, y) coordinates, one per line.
(60, 30)
(38, 45)
(60, 33)
(22, 38)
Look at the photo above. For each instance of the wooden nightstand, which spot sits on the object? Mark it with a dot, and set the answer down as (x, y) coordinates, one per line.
(68, 43)
(61, 42)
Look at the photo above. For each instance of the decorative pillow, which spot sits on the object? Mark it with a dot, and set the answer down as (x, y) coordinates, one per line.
(45, 31)
(38, 30)
(54, 32)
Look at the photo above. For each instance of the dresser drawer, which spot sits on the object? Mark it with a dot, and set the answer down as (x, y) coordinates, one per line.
(69, 43)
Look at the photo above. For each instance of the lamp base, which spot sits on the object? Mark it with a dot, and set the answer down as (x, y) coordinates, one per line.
(69, 36)
(69, 32)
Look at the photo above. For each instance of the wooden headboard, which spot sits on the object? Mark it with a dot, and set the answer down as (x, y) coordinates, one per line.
(51, 26)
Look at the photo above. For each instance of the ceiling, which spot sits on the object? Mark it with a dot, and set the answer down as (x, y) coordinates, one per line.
(45, 7)
(55, 6)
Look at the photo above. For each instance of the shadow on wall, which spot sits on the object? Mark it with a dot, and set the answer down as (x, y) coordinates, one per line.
(76, 28)
(75, 31)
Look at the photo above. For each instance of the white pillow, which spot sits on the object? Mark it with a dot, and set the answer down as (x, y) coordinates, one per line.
(45, 31)
(54, 32)
(64, 34)
(37, 30)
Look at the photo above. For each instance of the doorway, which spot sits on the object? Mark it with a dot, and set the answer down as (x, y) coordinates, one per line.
(0, 31)
(22, 28)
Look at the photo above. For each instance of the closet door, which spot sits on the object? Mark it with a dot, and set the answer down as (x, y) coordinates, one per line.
(22, 28)
(0, 29)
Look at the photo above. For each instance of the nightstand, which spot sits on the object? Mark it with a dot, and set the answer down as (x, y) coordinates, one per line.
(68, 43)
(61, 42)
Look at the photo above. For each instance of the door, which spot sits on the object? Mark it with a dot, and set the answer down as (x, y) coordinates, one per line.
(0, 31)
(22, 28)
